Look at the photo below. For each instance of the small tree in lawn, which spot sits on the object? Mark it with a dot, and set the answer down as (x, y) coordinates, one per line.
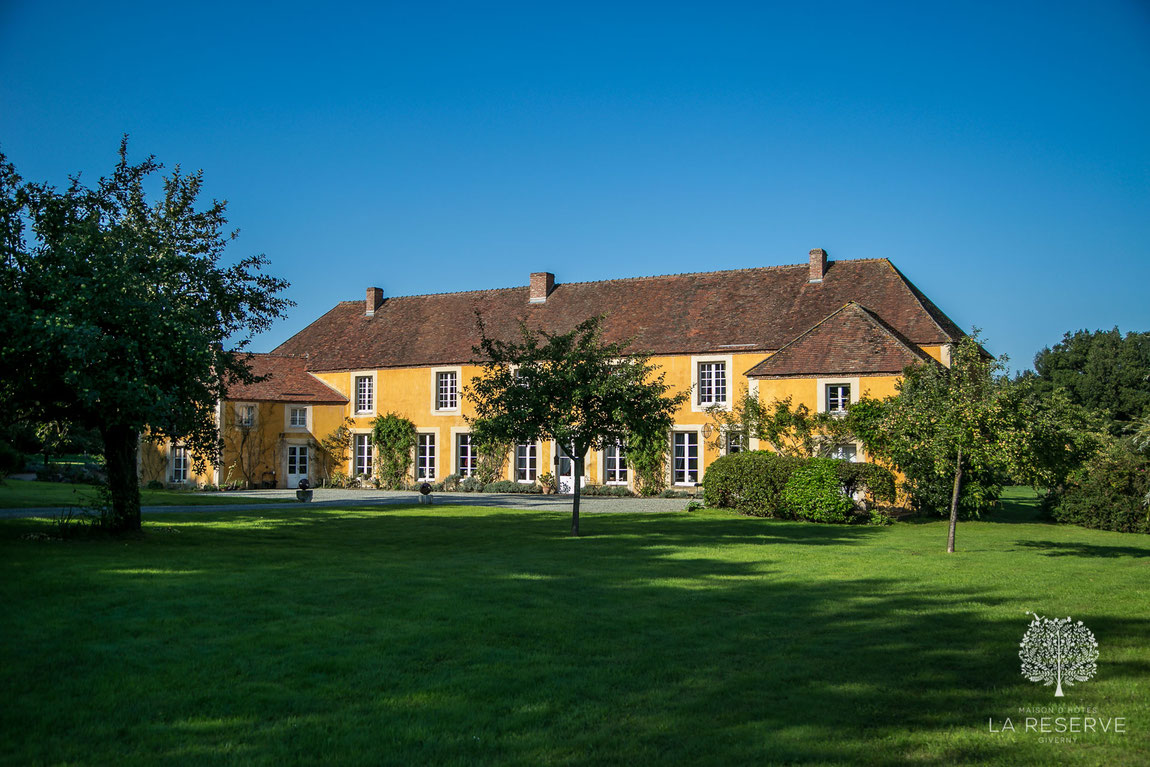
(945, 423)
(575, 388)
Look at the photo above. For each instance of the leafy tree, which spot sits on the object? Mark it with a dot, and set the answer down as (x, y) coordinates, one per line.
(117, 312)
(394, 436)
(1102, 370)
(787, 429)
(945, 424)
(575, 388)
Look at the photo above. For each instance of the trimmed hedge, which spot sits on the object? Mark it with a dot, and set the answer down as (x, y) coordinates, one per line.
(614, 491)
(875, 481)
(755, 481)
(511, 486)
(751, 481)
(815, 492)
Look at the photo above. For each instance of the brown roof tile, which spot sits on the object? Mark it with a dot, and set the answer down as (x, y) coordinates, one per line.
(287, 381)
(852, 340)
(744, 309)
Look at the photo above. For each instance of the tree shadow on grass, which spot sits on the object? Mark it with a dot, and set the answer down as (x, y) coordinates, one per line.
(1074, 549)
(494, 639)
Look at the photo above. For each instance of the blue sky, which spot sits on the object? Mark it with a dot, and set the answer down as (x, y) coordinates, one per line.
(998, 153)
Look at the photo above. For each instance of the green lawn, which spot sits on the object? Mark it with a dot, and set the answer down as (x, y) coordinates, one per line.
(18, 494)
(452, 635)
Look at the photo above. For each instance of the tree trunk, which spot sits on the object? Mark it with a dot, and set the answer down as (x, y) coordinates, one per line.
(120, 446)
(954, 502)
(578, 464)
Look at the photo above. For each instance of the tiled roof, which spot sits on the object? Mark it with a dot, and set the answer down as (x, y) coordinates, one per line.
(739, 310)
(852, 340)
(287, 381)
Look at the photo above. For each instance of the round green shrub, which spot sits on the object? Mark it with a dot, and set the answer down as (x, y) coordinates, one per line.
(751, 481)
(814, 492)
(1110, 491)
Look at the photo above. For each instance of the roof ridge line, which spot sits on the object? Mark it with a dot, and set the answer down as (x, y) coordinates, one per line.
(774, 267)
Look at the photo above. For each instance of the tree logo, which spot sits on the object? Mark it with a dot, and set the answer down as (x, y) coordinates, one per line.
(1057, 652)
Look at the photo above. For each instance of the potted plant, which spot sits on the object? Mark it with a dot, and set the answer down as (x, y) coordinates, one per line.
(547, 481)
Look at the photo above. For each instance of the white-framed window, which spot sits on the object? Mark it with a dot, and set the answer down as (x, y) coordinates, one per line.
(179, 463)
(526, 462)
(297, 460)
(362, 455)
(685, 457)
(446, 390)
(425, 458)
(712, 382)
(465, 456)
(297, 417)
(245, 415)
(838, 397)
(614, 465)
(732, 442)
(365, 394)
(846, 452)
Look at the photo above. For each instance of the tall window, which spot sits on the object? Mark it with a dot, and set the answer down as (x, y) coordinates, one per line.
(245, 415)
(614, 465)
(364, 394)
(425, 458)
(363, 455)
(179, 463)
(465, 460)
(838, 397)
(685, 469)
(712, 383)
(447, 390)
(297, 460)
(526, 462)
(297, 417)
(733, 443)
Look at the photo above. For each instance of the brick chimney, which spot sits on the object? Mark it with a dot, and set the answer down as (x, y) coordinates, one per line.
(374, 299)
(542, 283)
(818, 264)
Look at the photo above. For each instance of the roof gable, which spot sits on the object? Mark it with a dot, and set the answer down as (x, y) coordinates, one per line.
(738, 310)
(287, 381)
(851, 340)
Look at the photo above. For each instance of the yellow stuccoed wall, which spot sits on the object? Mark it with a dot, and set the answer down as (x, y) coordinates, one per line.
(409, 393)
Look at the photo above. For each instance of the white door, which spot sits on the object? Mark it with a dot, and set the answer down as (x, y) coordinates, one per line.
(296, 464)
(566, 473)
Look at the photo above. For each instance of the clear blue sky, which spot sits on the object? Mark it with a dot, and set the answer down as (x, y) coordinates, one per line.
(998, 153)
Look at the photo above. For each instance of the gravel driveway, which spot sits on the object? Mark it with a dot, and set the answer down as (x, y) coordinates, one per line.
(326, 498)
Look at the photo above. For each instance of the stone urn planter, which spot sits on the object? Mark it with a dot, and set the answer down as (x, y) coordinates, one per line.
(303, 495)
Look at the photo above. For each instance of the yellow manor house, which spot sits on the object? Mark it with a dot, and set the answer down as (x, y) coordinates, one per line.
(822, 332)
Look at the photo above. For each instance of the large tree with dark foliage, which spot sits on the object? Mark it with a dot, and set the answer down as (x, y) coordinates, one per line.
(117, 311)
(575, 388)
(1102, 370)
